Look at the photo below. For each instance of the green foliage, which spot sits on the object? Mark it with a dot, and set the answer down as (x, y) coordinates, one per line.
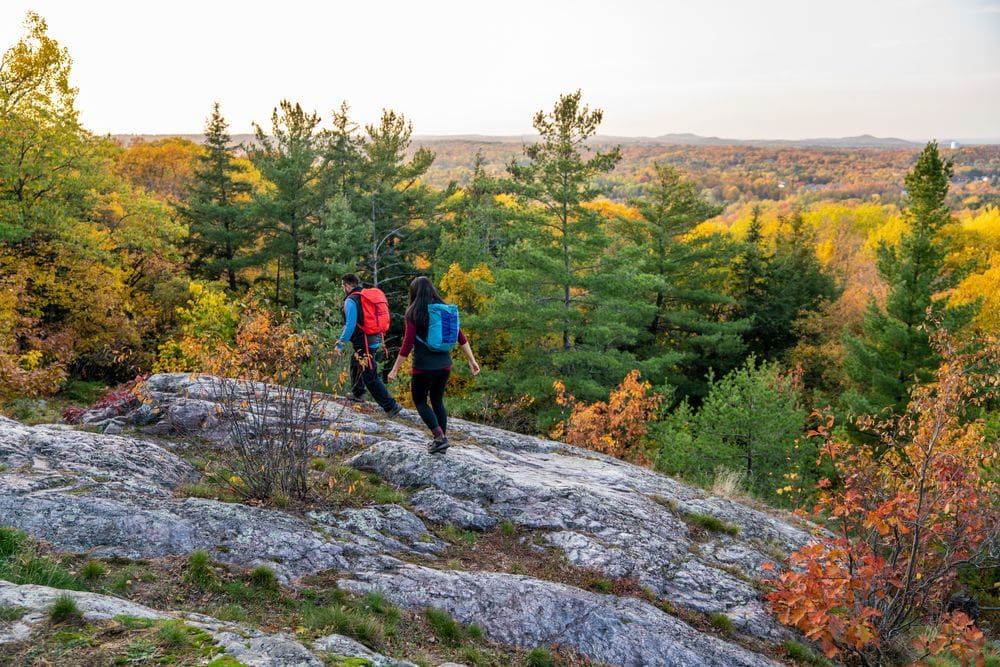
(220, 235)
(687, 331)
(507, 528)
(772, 291)
(264, 578)
(444, 625)
(199, 569)
(541, 657)
(714, 524)
(722, 623)
(91, 570)
(65, 610)
(750, 420)
(566, 302)
(893, 352)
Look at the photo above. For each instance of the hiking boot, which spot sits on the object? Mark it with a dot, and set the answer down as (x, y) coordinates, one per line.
(394, 410)
(438, 445)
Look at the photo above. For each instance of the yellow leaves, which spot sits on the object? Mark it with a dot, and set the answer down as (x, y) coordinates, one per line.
(463, 288)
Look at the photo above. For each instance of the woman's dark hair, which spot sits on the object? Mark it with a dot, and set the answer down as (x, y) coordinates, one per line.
(422, 294)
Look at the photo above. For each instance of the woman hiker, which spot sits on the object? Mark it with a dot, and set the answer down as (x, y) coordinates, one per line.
(431, 369)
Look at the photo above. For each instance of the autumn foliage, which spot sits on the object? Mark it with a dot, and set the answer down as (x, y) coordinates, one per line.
(616, 427)
(910, 511)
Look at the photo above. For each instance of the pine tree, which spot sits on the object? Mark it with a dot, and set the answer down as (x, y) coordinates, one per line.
(688, 331)
(219, 233)
(893, 352)
(563, 296)
(474, 227)
(773, 290)
(289, 157)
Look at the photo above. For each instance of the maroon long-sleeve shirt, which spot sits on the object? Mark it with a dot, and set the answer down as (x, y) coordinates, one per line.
(425, 354)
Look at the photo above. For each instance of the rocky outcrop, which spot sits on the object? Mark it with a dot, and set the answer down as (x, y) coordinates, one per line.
(116, 496)
(247, 645)
(526, 612)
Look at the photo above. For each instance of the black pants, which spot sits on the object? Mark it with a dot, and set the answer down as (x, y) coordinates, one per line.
(364, 376)
(431, 384)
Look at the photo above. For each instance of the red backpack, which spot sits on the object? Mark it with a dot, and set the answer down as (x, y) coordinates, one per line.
(374, 311)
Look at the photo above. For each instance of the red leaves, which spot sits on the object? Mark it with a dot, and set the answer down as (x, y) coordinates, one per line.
(906, 517)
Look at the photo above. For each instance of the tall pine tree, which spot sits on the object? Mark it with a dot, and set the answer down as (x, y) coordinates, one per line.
(893, 352)
(689, 331)
(289, 157)
(220, 234)
(567, 301)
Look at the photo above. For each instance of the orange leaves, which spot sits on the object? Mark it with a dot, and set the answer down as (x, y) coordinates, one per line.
(616, 427)
(906, 515)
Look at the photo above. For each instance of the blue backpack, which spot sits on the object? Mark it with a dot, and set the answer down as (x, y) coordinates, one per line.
(442, 327)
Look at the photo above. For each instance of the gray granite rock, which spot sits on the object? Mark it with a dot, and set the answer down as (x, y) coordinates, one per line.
(526, 612)
(247, 645)
(345, 647)
(442, 508)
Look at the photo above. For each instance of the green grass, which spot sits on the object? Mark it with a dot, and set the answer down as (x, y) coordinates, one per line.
(711, 523)
(453, 534)
(10, 613)
(507, 529)
(173, 635)
(92, 570)
(12, 541)
(199, 569)
(345, 620)
(65, 610)
(264, 578)
(600, 585)
(801, 653)
(82, 392)
(26, 568)
(231, 612)
(443, 625)
(722, 623)
(540, 657)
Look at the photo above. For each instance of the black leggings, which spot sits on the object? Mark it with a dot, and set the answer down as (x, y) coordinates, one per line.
(430, 384)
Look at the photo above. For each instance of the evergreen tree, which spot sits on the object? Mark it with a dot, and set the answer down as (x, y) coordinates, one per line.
(774, 290)
(893, 352)
(391, 200)
(566, 300)
(219, 233)
(688, 332)
(290, 159)
(474, 228)
(335, 242)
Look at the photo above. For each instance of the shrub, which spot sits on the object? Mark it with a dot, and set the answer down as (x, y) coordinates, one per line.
(507, 529)
(617, 427)
(65, 609)
(906, 513)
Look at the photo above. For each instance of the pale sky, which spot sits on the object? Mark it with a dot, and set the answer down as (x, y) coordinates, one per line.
(915, 69)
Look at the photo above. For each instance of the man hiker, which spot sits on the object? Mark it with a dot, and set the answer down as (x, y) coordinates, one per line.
(363, 375)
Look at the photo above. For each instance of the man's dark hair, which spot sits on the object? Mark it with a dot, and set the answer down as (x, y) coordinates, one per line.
(350, 279)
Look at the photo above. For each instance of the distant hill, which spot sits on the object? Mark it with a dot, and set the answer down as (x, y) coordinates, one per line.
(684, 139)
